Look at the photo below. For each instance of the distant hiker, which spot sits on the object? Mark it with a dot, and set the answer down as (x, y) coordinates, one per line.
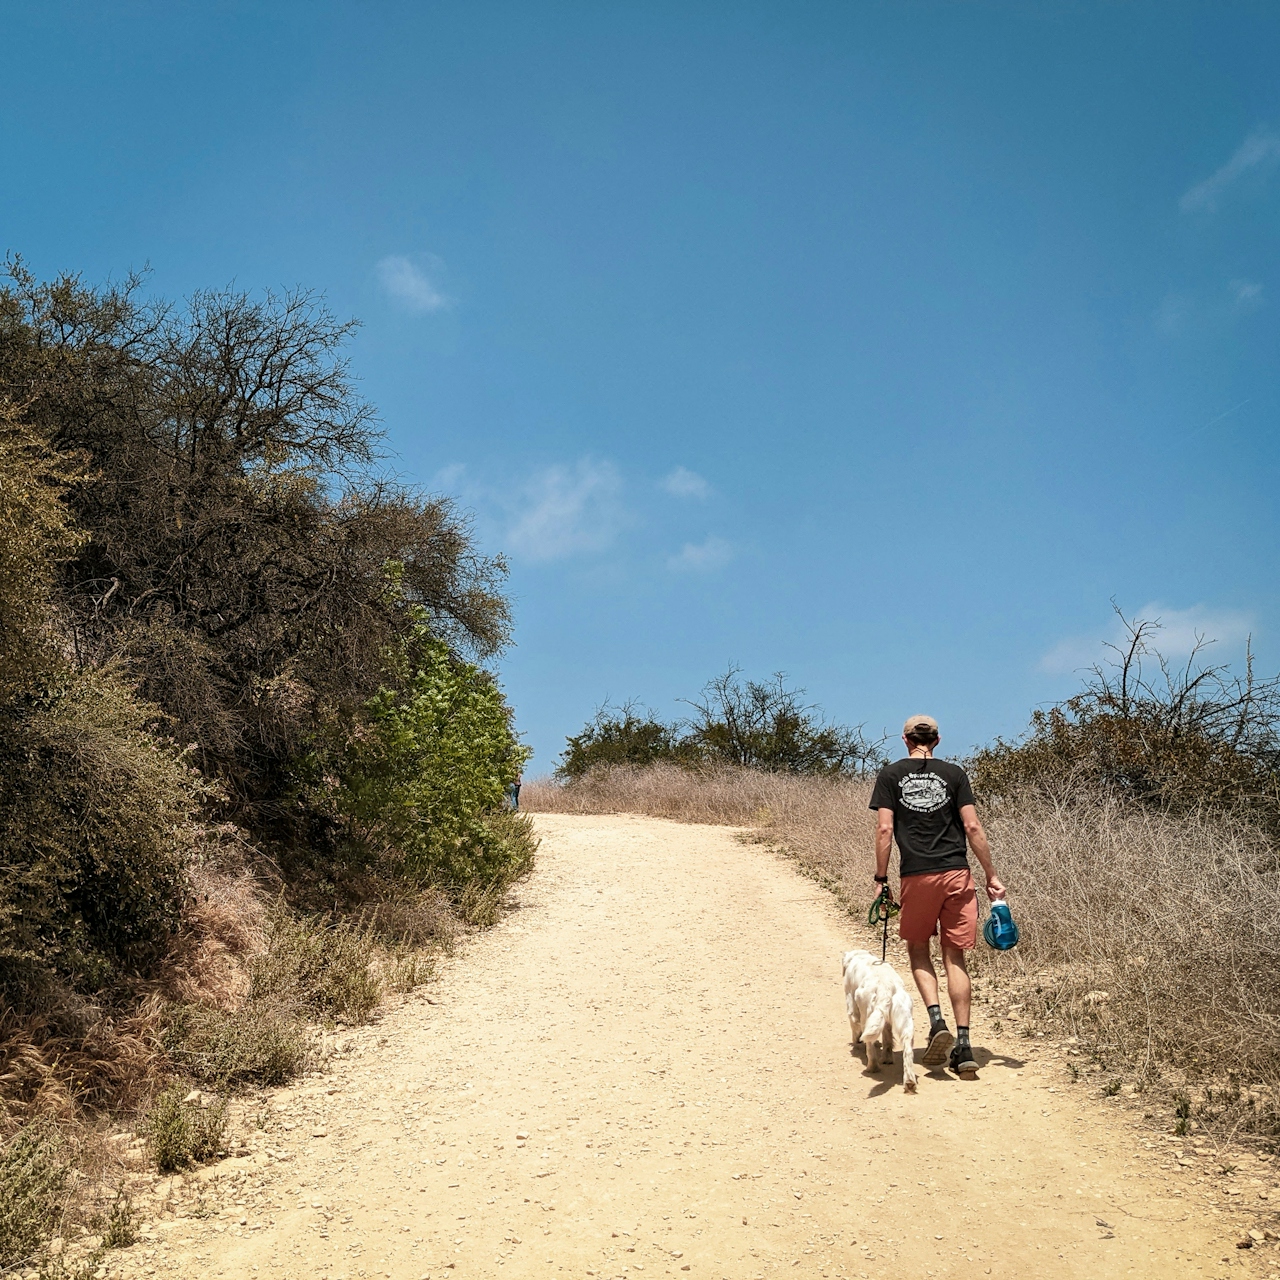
(926, 805)
(513, 793)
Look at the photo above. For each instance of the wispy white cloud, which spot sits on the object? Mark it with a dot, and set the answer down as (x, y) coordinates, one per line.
(408, 284)
(1180, 631)
(683, 483)
(563, 511)
(1261, 149)
(1246, 294)
(1186, 313)
(702, 557)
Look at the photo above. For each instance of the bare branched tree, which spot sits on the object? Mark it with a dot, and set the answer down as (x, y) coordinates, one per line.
(1181, 736)
(766, 725)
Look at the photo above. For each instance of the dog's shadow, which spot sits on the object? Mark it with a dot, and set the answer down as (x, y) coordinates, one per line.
(888, 1077)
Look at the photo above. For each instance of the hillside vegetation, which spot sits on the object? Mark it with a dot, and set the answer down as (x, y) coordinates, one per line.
(1136, 826)
(251, 763)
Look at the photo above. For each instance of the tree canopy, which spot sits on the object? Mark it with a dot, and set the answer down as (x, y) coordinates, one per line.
(756, 724)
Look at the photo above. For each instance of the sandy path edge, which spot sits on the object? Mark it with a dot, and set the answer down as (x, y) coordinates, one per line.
(663, 1019)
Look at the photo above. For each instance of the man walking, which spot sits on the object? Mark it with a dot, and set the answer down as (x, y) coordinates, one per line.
(926, 805)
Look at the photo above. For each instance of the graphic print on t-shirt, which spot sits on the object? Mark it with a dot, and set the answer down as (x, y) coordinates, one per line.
(923, 792)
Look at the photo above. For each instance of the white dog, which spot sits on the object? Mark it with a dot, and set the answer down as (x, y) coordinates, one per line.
(879, 1012)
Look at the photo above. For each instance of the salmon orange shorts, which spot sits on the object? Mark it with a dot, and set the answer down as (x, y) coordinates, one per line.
(943, 902)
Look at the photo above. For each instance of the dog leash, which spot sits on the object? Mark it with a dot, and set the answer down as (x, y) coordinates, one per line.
(882, 909)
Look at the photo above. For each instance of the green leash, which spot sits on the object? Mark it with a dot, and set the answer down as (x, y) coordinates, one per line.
(882, 909)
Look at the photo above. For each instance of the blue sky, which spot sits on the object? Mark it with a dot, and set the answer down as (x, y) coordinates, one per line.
(882, 344)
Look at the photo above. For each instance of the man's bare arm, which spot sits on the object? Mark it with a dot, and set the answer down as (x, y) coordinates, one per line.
(884, 840)
(981, 847)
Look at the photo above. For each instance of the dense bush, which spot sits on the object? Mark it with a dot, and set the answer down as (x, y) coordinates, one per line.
(433, 766)
(220, 629)
(235, 546)
(93, 807)
(619, 736)
(96, 819)
(36, 534)
(754, 724)
(762, 724)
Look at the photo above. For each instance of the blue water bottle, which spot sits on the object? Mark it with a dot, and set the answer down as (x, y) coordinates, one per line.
(998, 929)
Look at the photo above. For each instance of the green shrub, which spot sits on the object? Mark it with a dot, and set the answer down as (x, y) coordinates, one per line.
(120, 1230)
(182, 1133)
(263, 1042)
(757, 724)
(762, 724)
(321, 966)
(33, 1178)
(435, 764)
(619, 736)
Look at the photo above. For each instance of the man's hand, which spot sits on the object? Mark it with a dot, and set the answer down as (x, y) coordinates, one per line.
(995, 890)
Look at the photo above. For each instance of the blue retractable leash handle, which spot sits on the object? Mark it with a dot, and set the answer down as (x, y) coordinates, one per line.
(999, 930)
(883, 908)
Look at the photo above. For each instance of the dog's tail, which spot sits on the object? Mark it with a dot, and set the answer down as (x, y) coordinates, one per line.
(904, 1029)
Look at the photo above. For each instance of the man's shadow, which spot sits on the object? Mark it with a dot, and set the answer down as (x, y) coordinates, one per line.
(890, 1074)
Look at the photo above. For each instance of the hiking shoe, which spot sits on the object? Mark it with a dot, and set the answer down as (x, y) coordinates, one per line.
(962, 1060)
(940, 1040)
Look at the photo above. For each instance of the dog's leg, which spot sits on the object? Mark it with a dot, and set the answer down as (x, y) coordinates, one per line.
(908, 1069)
(905, 1030)
(855, 1026)
(873, 1030)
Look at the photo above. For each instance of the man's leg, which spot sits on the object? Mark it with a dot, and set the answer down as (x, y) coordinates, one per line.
(940, 1039)
(959, 988)
(920, 954)
(958, 925)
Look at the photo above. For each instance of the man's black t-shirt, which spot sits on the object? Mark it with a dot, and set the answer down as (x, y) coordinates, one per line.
(926, 796)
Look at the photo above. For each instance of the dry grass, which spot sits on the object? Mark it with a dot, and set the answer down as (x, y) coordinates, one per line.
(226, 922)
(724, 795)
(228, 1007)
(1161, 930)
(1151, 938)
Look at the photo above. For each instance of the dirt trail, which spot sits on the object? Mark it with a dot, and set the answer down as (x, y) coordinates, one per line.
(663, 1018)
